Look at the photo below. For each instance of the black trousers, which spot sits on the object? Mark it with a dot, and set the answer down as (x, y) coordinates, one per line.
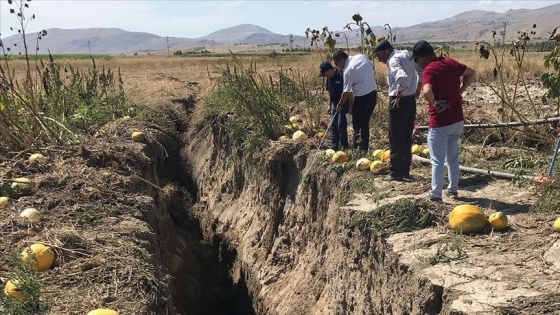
(401, 125)
(361, 114)
(339, 128)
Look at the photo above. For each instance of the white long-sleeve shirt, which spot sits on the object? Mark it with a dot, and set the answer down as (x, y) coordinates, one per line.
(403, 74)
(358, 75)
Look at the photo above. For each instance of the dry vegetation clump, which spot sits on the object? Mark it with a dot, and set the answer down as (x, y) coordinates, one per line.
(549, 199)
(404, 215)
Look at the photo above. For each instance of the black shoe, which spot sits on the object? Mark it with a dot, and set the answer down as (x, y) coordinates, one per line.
(435, 199)
(408, 178)
(392, 178)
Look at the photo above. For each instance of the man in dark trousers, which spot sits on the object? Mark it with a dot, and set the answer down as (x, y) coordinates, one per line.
(403, 78)
(359, 82)
(334, 87)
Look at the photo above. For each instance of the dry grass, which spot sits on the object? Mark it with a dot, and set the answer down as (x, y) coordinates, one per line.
(532, 67)
(147, 78)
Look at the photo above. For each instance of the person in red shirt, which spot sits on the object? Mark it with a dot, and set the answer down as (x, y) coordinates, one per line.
(443, 81)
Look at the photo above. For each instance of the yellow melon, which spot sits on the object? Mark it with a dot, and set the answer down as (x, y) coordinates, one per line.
(415, 149)
(103, 311)
(299, 136)
(385, 156)
(467, 219)
(12, 288)
(363, 164)
(4, 201)
(426, 152)
(498, 220)
(376, 166)
(377, 153)
(138, 136)
(20, 182)
(294, 120)
(329, 153)
(283, 138)
(320, 134)
(557, 225)
(44, 256)
(31, 214)
(339, 157)
(38, 157)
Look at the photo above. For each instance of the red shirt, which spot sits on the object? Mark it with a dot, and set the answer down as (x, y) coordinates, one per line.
(444, 74)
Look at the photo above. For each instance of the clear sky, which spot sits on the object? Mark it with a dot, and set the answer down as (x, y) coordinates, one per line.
(180, 18)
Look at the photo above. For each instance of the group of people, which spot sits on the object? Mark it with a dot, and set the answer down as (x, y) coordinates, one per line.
(352, 89)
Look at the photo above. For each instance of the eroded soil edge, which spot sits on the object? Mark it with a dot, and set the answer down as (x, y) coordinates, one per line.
(294, 249)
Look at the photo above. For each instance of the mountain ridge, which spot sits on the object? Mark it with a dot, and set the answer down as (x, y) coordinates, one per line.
(473, 25)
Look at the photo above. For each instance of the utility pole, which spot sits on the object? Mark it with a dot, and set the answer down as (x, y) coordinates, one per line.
(213, 48)
(168, 54)
(503, 33)
(291, 42)
(89, 47)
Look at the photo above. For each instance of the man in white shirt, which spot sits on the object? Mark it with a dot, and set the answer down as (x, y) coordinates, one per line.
(360, 89)
(403, 77)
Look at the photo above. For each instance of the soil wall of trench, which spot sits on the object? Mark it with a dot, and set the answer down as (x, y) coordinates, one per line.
(287, 240)
(275, 232)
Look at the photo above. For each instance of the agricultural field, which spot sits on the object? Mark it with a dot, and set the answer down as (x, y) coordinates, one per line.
(205, 211)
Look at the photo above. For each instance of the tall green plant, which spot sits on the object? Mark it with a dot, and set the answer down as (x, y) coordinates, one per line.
(82, 98)
(51, 102)
(254, 109)
(21, 122)
(249, 106)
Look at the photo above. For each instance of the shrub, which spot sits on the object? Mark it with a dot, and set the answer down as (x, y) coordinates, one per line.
(254, 109)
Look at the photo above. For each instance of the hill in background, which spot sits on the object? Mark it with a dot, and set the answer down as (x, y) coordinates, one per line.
(468, 26)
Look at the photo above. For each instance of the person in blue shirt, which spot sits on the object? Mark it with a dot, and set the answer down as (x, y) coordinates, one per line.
(334, 86)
